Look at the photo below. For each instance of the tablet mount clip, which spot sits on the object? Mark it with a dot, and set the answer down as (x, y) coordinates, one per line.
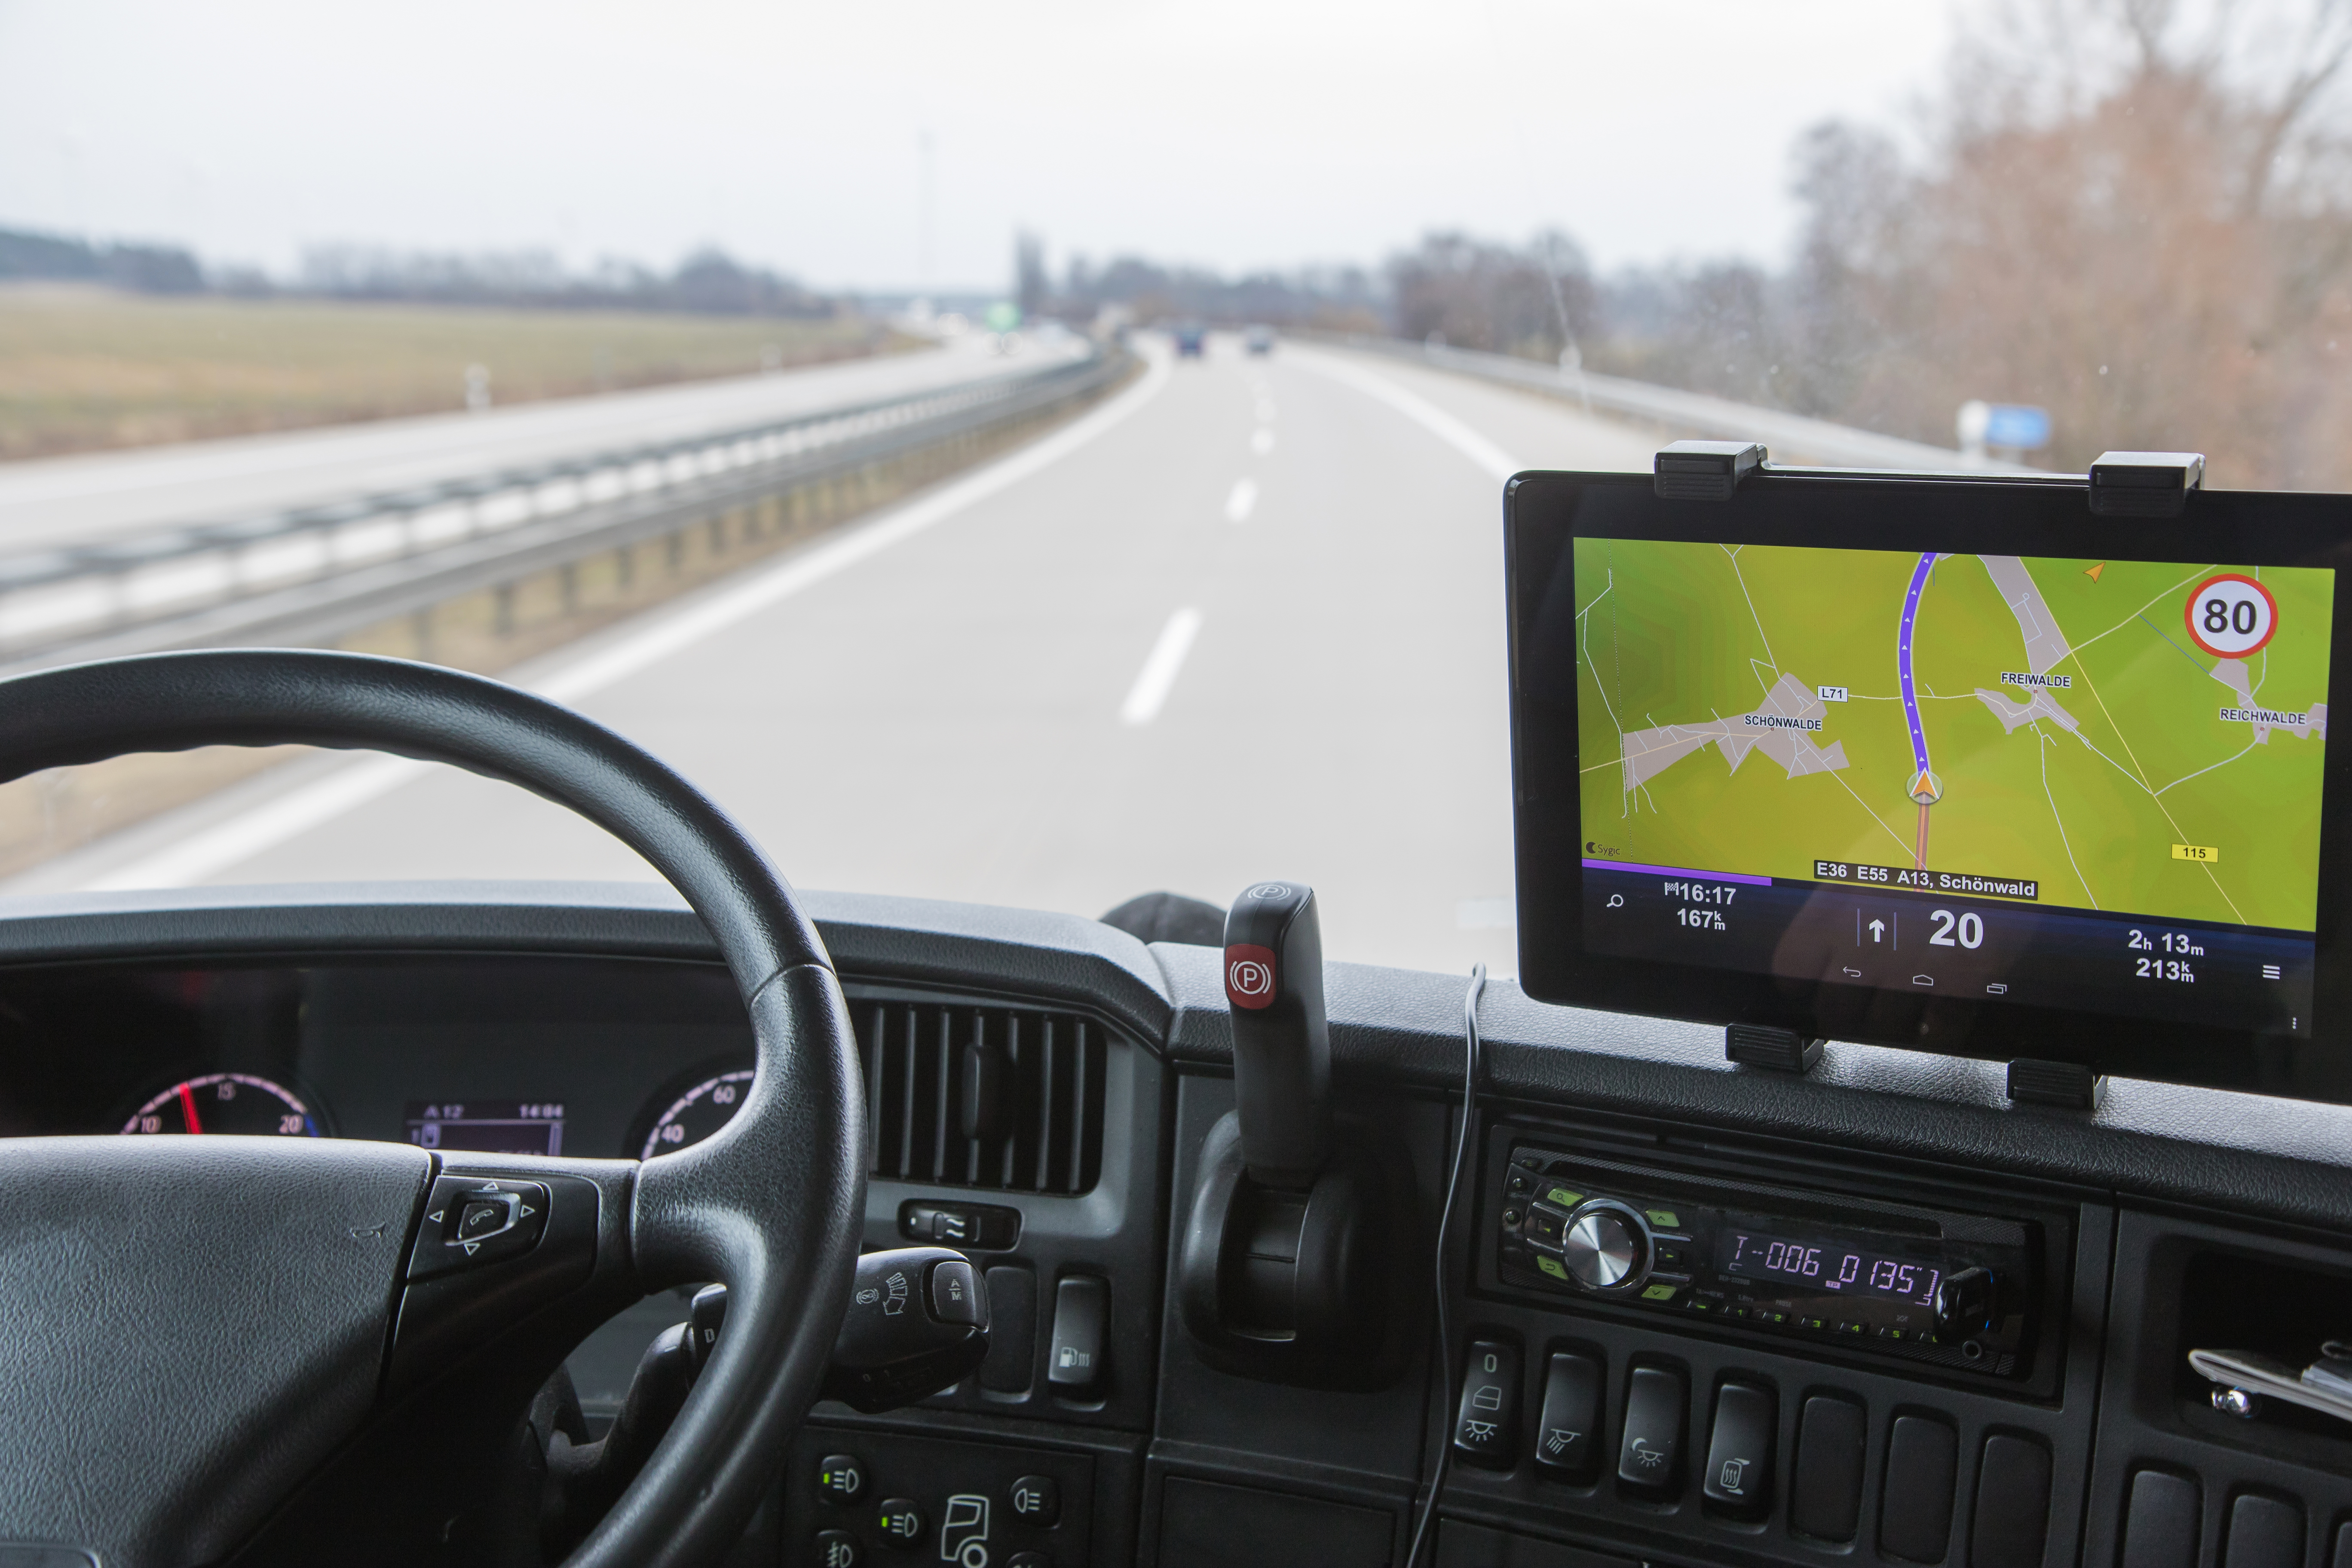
(1705, 470)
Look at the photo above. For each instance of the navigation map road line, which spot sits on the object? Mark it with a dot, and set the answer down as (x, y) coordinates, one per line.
(1922, 787)
(1902, 659)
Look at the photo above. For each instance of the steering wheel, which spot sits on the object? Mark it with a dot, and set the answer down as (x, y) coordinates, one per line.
(211, 1346)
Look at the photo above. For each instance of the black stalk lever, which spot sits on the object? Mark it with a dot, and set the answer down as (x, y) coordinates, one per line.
(917, 1323)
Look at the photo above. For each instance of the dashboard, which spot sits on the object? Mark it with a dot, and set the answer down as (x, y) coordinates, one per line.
(1694, 1309)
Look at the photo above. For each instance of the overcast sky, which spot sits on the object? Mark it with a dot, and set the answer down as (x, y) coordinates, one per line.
(1235, 134)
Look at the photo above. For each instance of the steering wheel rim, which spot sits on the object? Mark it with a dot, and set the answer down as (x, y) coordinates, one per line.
(771, 1206)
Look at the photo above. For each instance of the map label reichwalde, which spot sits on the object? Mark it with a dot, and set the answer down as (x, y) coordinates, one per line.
(2021, 677)
(1906, 878)
(2266, 716)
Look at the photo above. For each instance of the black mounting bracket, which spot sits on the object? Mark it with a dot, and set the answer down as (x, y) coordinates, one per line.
(1705, 470)
(2145, 484)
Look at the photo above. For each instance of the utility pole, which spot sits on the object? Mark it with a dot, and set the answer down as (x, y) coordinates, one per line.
(926, 217)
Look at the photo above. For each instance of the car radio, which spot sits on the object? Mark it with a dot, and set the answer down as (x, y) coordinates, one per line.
(1956, 1291)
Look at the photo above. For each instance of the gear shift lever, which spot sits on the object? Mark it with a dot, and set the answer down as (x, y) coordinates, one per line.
(1282, 1047)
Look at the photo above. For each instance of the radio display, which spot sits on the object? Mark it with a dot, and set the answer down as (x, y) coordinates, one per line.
(1823, 1260)
(487, 1126)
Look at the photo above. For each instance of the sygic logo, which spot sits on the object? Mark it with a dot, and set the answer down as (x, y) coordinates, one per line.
(1249, 975)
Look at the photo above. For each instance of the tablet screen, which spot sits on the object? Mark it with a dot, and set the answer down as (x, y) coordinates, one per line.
(2079, 782)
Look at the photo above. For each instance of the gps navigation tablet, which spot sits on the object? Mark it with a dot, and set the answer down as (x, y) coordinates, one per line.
(1944, 762)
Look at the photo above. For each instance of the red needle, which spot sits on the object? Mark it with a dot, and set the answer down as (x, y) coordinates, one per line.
(188, 1109)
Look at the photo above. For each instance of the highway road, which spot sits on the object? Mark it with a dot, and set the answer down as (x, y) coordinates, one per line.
(1244, 620)
(77, 500)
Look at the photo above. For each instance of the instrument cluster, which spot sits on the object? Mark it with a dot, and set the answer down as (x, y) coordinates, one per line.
(587, 1058)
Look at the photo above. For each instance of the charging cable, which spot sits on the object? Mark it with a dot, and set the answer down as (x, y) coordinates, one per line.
(1454, 1183)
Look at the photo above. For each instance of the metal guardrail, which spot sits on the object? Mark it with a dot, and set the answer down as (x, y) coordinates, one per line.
(1792, 437)
(191, 583)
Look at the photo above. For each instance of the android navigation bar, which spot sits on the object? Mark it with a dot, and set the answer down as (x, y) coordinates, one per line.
(1907, 880)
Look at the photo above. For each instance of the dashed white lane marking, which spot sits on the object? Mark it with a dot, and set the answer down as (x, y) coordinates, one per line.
(210, 851)
(1243, 501)
(1262, 440)
(1160, 669)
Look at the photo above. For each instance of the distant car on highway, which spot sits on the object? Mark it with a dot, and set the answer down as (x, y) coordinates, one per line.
(1192, 337)
(1259, 339)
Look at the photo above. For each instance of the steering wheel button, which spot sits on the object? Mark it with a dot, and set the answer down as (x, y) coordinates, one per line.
(902, 1521)
(955, 1293)
(470, 1221)
(841, 1477)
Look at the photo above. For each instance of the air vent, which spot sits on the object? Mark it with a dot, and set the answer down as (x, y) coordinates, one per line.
(1007, 1099)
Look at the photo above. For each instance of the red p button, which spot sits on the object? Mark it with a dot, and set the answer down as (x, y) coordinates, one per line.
(1249, 975)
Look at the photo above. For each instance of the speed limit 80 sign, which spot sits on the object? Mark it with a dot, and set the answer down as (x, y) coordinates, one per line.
(2231, 616)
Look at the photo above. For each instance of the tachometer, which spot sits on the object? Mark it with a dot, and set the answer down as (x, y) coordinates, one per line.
(698, 1113)
(226, 1103)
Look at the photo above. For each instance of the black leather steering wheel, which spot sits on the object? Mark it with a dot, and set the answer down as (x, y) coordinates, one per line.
(193, 1329)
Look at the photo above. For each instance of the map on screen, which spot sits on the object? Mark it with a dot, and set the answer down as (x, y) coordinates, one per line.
(2120, 736)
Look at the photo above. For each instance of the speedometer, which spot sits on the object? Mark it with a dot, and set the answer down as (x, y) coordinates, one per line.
(698, 1113)
(226, 1103)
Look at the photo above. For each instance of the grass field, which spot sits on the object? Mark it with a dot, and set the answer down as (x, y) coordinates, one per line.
(87, 369)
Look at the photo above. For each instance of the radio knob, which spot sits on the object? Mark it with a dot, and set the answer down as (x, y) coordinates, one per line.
(1964, 1302)
(1607, 1247)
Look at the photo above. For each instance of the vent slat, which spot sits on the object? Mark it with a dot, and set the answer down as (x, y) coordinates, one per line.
(1051, 1067)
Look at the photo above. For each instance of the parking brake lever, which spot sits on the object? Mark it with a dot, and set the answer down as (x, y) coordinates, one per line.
(1282, 1045)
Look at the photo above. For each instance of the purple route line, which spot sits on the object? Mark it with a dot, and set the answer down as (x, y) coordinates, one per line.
(1678, 871)
(1902, 659)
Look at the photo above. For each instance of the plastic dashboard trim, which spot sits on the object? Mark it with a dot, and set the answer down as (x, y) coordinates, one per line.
(2283, 1161)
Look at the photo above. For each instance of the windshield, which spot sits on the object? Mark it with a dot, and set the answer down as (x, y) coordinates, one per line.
(1048, 455)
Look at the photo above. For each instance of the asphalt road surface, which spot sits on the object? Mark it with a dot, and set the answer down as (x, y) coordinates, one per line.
(74, 501)
(1244, 621)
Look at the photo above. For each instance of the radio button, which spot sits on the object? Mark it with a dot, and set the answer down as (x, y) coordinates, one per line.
(1606, 1247)
(1547, 1226)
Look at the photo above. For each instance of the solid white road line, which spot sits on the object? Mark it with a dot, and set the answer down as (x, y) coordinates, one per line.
(1160, 671)
(1243, 501)
(213, 850)
(1499, 465)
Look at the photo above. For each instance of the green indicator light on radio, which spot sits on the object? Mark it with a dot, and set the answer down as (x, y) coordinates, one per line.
(1563, 1198)
(1659, 1293)
(1665, 1219)
(1552, 1266)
